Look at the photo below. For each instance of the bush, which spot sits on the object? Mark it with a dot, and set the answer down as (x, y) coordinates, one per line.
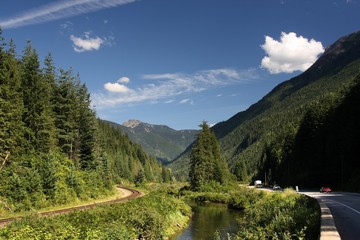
(285, 215)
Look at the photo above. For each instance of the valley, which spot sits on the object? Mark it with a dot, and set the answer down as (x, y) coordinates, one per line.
(62, 165)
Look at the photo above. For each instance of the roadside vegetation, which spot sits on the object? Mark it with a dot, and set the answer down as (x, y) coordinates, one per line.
(286, 215)
(163, 211)
(267, 215)
(154, 216)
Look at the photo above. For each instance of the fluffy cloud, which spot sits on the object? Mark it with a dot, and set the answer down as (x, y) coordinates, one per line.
(291, 53)
(87, 43)
(118, 86)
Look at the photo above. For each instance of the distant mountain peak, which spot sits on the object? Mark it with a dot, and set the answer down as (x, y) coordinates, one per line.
(160, 141)
(132, 123)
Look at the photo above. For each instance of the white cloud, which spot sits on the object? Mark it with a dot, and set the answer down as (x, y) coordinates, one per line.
(58, 10)
(123, 80)
(291, 53)
(168, 85)
(87, 43)
(186, 100)
(116, 87)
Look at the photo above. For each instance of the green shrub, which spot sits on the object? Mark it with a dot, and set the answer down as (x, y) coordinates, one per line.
(285, 215)
(154, 216)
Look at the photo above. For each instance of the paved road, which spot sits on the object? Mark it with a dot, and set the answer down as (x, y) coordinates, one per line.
(345, 208)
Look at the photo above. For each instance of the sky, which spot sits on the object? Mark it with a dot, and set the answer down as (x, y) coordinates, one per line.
(179, 62)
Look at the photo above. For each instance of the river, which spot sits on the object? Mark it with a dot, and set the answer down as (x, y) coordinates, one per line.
(207, 220)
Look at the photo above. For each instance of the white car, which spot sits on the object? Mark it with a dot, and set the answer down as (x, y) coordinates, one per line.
(277, 188)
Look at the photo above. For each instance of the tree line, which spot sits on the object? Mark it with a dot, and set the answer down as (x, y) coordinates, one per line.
(324, 150)
(53, 149)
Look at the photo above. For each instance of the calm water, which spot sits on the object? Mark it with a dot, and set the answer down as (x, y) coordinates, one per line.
(208, 219)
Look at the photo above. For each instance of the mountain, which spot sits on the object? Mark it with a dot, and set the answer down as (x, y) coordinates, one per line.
(160, 141)
(278, 115)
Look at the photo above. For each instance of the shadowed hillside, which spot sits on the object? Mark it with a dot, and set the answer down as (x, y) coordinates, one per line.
(277, 116)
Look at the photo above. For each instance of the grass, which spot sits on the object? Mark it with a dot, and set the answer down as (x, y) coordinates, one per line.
(116, 195)
(154, 216)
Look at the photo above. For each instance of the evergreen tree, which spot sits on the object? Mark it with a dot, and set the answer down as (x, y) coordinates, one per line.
(11, 105)
(206, 163)
(67, 112)
(37, 116)
(240, 171)
(165, 174)
(140, 177)
(220, 169)
(49, 73)
(87, 129)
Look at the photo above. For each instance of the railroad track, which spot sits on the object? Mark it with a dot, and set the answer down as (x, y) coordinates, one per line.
(134, 194)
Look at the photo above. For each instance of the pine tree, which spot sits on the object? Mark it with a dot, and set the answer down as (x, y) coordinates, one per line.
(87, 129)
(37, 116)
(240, 171)
(11, 106)
(206, 163)
(67, 114)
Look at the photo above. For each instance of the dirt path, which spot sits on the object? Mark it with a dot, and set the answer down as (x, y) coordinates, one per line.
(127, 194)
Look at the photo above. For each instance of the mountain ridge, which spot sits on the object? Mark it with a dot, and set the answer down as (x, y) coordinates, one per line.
(160, 141)
(243, 136)
(333, 52)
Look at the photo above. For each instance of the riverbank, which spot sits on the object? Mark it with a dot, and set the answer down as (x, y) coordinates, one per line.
(275, 215)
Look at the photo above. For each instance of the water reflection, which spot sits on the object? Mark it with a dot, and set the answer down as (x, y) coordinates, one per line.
(208, 219)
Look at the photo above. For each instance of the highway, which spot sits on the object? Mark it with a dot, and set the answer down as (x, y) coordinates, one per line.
(345, 209)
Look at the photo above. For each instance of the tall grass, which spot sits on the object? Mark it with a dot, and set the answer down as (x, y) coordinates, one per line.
(286, 215)
(154, 216)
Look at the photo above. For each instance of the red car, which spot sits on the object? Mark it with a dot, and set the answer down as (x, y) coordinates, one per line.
(325, 190)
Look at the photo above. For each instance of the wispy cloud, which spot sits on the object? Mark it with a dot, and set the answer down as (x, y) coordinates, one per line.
(58, 10)
(186, 100)
(169, 85)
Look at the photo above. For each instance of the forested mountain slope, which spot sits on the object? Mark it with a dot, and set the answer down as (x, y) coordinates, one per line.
(160, 141)
(53, 149)
(276, 118)
(325, 149)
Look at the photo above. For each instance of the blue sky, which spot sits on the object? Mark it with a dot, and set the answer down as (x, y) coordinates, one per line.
(179, 62)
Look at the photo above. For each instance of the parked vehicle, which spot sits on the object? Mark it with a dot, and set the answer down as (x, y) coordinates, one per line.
(325, 190)
(277, 188)
(258, 184)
